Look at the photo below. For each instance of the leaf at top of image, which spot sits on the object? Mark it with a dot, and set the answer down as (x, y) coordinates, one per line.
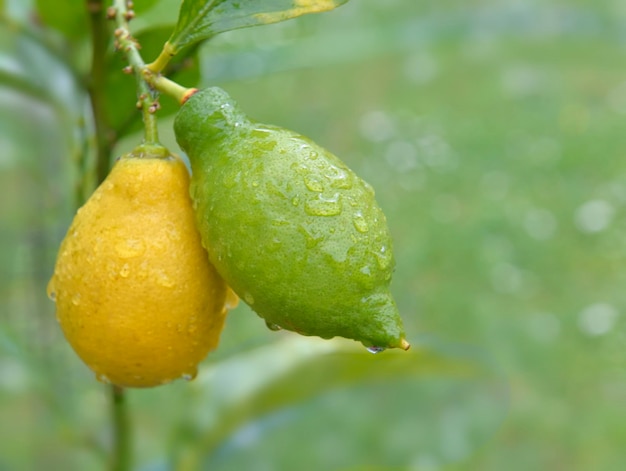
(201, 19)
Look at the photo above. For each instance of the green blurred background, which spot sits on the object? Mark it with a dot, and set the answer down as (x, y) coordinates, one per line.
(493, 133)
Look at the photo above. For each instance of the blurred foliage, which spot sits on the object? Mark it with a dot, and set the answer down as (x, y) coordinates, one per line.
(493, 134)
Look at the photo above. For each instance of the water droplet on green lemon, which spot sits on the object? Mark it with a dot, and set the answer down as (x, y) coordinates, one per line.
(313, 183)
(360, 223)
(273, 327)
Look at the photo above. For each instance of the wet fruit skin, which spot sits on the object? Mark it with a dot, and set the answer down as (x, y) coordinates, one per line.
(296, 234)
(135, 294)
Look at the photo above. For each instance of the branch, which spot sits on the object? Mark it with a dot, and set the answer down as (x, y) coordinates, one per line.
(121, 429)
(105, 139)
(147, 98)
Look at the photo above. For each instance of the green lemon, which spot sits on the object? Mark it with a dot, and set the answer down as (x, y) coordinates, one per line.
(295, 233)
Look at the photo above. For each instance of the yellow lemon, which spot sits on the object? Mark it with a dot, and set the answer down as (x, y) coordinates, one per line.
(135, 294)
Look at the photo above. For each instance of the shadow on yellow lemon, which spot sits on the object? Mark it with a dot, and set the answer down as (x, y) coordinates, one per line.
(135, 294)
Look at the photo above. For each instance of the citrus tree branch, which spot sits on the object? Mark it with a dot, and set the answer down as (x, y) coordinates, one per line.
(124, 41)
(105, 139)
(121, 426)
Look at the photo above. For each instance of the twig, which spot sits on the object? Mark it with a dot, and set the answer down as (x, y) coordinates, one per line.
(121, 458)
(147, 98)
(104, 135)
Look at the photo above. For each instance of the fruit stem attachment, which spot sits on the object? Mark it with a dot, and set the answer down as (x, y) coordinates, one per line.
(148, 98)
(168, 87)
(121, 431)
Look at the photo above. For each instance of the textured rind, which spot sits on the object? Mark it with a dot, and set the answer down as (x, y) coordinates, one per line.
(296, 234)
(136, 297)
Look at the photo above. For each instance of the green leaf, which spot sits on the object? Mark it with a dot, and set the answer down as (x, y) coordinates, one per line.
(305, 377)
(201, 19)
(34, 68)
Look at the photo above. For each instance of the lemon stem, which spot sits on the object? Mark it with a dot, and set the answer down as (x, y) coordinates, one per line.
(151, 130)
(121, 431)
(169, 87)
(147, 97)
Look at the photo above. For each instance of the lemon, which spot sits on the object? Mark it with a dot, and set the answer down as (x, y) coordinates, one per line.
(136, 296)
(296, 233)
